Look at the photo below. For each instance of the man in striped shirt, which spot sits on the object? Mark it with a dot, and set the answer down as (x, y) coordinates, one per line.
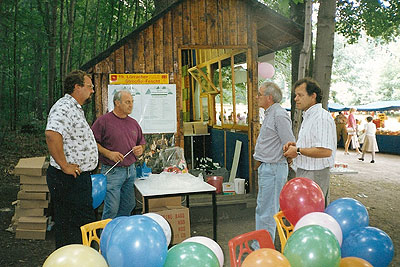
(314, 152)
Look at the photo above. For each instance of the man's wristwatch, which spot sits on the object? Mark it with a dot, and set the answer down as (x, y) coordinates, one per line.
(298, 151)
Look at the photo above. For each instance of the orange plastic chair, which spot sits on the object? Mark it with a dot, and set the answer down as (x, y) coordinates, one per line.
(284, 229)
(89, 232)
(242, 241)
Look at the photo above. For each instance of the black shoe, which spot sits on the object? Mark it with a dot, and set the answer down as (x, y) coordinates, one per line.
(361, 159)
(372, 161)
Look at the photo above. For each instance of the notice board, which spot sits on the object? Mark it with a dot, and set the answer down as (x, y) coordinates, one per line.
(154, 105)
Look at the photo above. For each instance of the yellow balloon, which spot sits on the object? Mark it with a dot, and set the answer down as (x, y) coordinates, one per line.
(75, 256)
(265, 257)
(354, 262)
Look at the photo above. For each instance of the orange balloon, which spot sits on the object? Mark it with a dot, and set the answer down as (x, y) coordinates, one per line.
(265, 257)
(354, 262)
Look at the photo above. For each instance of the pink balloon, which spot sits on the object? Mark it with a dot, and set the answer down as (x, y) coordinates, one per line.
(322, 219)
(266, 70)
(211, 244)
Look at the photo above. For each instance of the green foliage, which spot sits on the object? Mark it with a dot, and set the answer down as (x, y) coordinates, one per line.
(377, 18)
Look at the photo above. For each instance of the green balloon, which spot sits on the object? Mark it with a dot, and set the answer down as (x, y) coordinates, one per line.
(191, 254)
(313, 246)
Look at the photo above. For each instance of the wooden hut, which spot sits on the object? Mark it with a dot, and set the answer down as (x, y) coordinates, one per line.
(196, 43)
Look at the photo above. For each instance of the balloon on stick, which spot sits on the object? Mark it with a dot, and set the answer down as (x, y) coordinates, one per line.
(265, 70)
(265, 257)
(299, 197)
(211, 244)
(371, 244)
(349, 213)
(322, 219)
(99, 188)
(75, 256)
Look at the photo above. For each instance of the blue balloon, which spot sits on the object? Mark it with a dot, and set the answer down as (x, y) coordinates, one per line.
(349, 213)
(106, 234)
(370, 244)
(137, 241)
(99, 188)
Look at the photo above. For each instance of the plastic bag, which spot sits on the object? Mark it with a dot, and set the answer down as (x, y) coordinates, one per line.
(173, 160)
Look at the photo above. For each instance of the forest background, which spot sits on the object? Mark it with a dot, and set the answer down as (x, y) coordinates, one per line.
(42, 40)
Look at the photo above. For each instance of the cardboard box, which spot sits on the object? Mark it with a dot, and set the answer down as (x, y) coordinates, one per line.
(156, 203)
(228, 188)
(27, 179)
(34, 187)
(200, 127)
(33, 204)
(188, 128)
(30, 234)
(179, 220)
(31, 166)
(32, 223)
(32, 195)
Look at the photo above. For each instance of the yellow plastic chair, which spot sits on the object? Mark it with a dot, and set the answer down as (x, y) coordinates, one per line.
(89, 232)
(284, 229)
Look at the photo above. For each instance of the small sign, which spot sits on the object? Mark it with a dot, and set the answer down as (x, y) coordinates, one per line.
(139, 78)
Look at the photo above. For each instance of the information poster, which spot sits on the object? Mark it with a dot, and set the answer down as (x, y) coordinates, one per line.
(154, 105)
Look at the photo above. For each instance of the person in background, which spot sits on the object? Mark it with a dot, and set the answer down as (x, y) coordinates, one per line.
(341, 131)
(116, 134)
(276, 130)
(351, 133)
(370, 144)
(314, 152)
(73, 156)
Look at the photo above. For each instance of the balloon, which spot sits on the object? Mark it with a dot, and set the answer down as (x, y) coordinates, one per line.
(300, 196)
(265, 257)
(106, 233)
(137, 239)
(75, 256)
(370, 244)
(163, 223)
(349, 213)
(99, 188)
(322, 219)
(266, 70)
(191, 254)
(211, 244)
(312, 246)
(354, 262)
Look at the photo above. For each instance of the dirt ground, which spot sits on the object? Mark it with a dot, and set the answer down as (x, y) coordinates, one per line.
(375, 185)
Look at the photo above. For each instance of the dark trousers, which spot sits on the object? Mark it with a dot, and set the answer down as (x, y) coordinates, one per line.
(72, 205)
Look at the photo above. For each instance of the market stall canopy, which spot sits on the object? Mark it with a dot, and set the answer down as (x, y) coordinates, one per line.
(380, 106)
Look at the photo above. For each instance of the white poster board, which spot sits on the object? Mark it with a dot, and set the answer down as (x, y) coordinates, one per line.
(154, 105)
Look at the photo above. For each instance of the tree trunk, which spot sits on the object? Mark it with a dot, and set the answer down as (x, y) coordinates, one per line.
(82, 42)
(71, 23)
(37, 80)
(324, 47)
(61, 40)
(14, 111)
(94, 51)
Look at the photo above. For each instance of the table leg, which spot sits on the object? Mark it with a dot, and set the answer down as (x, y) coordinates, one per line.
(146, 204)
(187, 201)
(191, 150)
(214, 206)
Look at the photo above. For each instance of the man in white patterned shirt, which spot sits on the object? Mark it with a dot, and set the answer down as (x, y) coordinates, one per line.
(314, 152)
(73, 155)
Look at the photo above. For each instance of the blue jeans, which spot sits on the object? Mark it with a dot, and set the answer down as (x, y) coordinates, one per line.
(120, 197)
(271, 179)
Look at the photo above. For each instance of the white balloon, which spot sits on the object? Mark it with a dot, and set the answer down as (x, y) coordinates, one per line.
(75, 255)
(321, 219)
(163, 223)
(211, 244)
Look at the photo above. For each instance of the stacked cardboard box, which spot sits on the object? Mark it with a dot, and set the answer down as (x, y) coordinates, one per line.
(32, 199)
(176, 215)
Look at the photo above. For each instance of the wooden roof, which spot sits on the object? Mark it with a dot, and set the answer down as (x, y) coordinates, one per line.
(274, 31)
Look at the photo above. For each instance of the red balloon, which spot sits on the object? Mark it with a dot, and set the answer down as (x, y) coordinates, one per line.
(299, 197)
